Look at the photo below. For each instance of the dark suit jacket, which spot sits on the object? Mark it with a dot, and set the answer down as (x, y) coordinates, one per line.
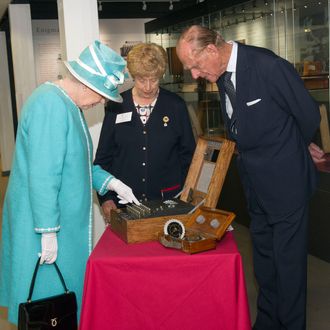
(273, 134)
(148, 158)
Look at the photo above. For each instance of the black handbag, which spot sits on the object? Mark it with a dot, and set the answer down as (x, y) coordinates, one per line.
(57, 312)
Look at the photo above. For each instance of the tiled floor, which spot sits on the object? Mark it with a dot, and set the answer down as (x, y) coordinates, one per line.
(318, 304)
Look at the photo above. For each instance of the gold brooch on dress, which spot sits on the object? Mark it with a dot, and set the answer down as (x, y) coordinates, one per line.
(166, 120)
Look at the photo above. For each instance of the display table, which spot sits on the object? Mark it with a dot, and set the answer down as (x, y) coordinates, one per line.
(147, 286)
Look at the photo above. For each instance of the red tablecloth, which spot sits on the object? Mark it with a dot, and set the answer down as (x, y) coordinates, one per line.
(147, 286)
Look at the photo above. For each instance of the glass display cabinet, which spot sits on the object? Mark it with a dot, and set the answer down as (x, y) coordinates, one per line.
(297, 31)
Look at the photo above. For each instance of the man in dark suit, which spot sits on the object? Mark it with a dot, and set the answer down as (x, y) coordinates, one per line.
(272, 118)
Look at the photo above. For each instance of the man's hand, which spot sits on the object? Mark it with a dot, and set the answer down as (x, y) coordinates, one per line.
(317, 153)
(107, 206)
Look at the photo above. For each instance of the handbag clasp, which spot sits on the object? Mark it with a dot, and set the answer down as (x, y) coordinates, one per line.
(53, 322)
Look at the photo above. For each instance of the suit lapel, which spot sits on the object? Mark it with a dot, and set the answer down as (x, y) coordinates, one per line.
(234, 124)
(223, 102)
(242, 78)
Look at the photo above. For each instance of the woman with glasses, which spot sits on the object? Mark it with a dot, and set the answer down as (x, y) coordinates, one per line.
(146, 141)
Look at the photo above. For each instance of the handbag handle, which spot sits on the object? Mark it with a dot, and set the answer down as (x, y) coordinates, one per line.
(35, 275)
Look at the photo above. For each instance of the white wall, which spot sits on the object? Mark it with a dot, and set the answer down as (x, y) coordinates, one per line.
(22, 52)
(47, 49)
(116, 32)
(46, 42)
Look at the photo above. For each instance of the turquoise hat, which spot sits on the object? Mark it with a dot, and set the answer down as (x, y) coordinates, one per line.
(101, 69)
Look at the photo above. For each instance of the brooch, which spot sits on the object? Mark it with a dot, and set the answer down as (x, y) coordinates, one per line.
(166, 120)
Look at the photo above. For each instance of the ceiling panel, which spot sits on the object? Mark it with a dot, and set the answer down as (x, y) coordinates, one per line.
(112, 9)
(47, 9)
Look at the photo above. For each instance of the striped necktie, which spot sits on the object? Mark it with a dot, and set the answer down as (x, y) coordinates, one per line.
(229, 88)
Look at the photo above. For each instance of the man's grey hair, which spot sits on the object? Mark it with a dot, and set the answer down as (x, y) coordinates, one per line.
(200, 36)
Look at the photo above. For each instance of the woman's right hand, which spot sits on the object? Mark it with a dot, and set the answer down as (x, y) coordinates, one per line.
(125, 193)
(107, 206)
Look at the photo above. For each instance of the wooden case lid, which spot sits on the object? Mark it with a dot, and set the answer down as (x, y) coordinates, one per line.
(210, 221)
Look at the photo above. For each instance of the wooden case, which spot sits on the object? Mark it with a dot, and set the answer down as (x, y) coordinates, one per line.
(202, 187)
(204, 228)
(136, 230)
(140, 230)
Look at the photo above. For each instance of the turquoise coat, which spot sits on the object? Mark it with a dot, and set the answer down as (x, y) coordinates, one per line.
(49, 189)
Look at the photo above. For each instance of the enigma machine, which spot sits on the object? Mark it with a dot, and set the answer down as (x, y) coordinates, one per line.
(142, 223)
(194, 212)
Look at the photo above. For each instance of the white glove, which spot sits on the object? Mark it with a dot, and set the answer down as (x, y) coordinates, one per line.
(48, 248)
(125, 193)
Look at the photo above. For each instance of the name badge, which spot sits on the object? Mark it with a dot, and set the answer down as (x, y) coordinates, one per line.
(124, 117)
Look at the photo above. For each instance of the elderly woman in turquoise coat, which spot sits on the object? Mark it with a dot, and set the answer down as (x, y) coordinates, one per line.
(48, 204)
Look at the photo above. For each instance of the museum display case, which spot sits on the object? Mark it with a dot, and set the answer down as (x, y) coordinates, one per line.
(295, 30)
